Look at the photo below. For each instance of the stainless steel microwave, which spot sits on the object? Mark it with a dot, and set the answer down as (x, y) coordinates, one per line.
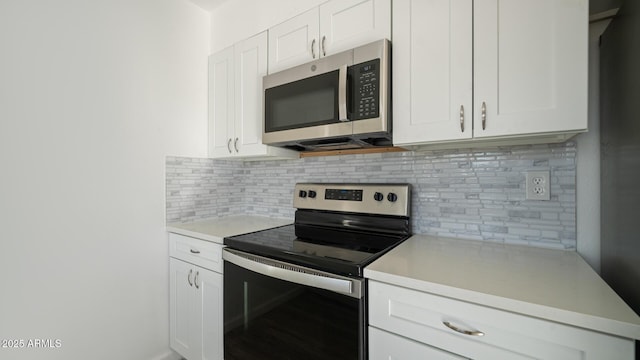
(340, 101)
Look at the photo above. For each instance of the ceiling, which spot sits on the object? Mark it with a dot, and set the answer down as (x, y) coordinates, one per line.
(209, 5)
(595, 6)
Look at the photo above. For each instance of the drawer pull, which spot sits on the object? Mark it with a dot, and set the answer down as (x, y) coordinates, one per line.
(466, 332)
(195, 251)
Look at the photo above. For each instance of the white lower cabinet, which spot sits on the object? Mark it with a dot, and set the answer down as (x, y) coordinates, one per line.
(195, 302)
(419, 325)
(386, 346)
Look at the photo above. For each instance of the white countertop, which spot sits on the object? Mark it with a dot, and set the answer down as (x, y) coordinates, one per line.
(216, 229)
(549, 284)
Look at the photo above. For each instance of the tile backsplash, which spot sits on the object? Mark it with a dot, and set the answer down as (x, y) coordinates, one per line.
(463, 193)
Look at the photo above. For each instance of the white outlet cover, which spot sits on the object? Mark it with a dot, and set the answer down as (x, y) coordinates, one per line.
(538, 185)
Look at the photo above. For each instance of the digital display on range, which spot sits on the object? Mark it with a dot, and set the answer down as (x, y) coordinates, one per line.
(343, 194)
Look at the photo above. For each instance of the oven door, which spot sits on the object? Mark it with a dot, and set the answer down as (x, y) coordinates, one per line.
(278, 311)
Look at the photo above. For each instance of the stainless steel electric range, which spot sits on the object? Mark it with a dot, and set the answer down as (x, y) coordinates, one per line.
(297, 291)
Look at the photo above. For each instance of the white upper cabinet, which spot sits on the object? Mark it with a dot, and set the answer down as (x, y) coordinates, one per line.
(221, 101)
(294, 41)
(236, 103)
(529, 66)
(250, 67)
(332, 27)
(345, 24)
(432, 70)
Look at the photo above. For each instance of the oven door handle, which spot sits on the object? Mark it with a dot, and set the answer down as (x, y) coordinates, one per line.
(295, 273)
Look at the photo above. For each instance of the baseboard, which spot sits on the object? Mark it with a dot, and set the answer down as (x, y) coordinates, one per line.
(169, 355)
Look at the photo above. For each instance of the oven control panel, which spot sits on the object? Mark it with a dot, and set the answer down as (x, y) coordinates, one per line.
(343, 194)
(382, 199)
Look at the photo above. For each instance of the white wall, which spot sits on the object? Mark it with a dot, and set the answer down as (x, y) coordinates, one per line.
(240, 19)
(588, 160)
(93, 96)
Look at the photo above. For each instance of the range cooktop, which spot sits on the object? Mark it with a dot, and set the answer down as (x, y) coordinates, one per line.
(344, 253)
(339, 228)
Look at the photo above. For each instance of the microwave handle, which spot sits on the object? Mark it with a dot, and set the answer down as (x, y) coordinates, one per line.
(342, 93)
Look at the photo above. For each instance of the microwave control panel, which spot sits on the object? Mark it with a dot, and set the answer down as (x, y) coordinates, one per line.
(366, 90)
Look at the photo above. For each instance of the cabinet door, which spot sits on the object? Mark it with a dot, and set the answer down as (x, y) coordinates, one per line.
(432, 70)
(345, 24)
(385, 346)
(530, 66)
(440, 322)
(294, 41)
(209, 312)
(221, 99)
(183, 328)
(250, 67)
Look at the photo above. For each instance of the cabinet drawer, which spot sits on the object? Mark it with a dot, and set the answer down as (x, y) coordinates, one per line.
(422, 317)
(195, 251)
(385, 346)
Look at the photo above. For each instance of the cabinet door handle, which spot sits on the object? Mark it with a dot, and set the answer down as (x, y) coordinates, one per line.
(462, 118)
(195, 251)
(461, 331)
(235, 144)
(324, 50)
(313, 50)
(189, 277)
(229, 145)
(484, 115)
(195, 281)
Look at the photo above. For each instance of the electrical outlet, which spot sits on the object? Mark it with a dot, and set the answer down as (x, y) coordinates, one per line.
(538, 187)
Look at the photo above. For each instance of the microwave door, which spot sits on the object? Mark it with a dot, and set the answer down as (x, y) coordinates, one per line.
(308, 109)
(307, 102)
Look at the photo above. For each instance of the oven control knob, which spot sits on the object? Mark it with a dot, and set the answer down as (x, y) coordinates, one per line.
(378, 196)
(312, 194)
(302, 194)
(392, 197)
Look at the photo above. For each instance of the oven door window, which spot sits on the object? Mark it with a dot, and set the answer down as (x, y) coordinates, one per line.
(272, 319)
(303, 103)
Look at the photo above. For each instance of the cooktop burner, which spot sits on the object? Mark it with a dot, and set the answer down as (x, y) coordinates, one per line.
(339, 228)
